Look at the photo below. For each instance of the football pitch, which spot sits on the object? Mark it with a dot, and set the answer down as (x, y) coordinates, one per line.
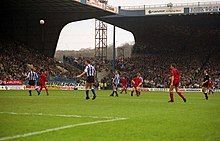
(67, 116)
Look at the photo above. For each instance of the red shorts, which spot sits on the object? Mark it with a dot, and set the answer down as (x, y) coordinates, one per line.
(42, 85)
(176, 83)
(135, 86)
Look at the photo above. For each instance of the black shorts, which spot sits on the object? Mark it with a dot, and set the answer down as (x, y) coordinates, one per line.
(31, 82)
(90, 79)
(115, 85)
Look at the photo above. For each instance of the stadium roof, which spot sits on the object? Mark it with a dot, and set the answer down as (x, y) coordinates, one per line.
(22, 18)
(48, 6)
(155, 21)
(134, 18)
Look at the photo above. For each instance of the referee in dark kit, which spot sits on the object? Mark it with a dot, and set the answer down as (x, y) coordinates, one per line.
(32, 77)
(90, 79)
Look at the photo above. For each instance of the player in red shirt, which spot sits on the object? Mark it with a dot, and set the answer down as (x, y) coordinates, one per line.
(124, 84)
(175, 81)
(42, 81)
(210, 86)
(136, 83)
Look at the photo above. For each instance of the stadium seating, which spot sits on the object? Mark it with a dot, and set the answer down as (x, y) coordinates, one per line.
(16, 59)
(151, 59)
(192, 49)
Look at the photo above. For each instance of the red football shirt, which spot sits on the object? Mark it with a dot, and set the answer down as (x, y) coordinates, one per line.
(176, 74)
(124, 81)
(137, 81)
(43, 78)
(210, 83)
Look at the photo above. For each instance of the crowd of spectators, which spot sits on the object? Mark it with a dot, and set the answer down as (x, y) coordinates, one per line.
(192, 49)
(78, 62)
(156, 73)
(155, 68)
(16, 60)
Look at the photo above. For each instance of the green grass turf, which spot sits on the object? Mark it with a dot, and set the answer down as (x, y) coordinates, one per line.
(149, 117)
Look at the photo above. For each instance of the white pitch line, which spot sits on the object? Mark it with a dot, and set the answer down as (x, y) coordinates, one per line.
(57, 115)
(58, 128)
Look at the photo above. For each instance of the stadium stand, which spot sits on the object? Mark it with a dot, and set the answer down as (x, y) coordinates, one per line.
(152, 56)
(193, 49)
(16, 59)
(79, 62)
(155, 68)
(152, 61)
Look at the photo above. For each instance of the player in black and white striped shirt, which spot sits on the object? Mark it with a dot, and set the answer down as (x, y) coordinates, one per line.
(90, 79)
(115, 83)
(32, 77)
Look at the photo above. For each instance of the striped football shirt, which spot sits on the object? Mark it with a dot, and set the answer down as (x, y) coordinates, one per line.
(32, 75)
(89, 70)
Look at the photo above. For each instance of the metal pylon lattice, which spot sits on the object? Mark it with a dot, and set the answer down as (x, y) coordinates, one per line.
(100, 39)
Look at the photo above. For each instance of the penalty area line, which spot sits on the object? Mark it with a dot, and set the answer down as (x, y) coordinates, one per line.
(58, 128)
